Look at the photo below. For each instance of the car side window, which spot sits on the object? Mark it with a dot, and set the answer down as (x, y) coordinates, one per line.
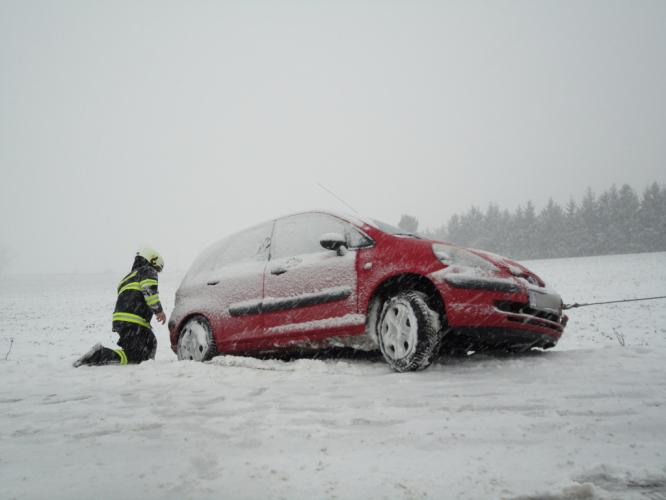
(300, 234)
(357, 239)
(249, 245)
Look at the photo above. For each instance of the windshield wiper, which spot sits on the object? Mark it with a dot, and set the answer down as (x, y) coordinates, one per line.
(412, 235)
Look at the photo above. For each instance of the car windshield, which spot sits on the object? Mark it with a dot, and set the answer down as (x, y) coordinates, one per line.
(388, 228)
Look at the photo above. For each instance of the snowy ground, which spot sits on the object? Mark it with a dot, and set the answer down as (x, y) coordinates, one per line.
(586, 420)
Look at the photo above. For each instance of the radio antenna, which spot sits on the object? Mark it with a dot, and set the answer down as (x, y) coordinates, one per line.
(337, 197)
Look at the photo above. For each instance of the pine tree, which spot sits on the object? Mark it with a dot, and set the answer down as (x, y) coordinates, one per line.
(491, 230)
(615, 222)
(530, 236)
(628, 229)
(470, 228)
(504, 234)
(652, 218)
(453, 229)
(518, 237)
(589, 223)
(573, 231)
(409, 223)
(550, 227)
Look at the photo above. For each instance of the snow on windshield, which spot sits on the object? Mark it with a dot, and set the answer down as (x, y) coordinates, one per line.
(388, 228)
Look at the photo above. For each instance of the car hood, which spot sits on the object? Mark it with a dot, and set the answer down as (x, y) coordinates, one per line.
(511, 266)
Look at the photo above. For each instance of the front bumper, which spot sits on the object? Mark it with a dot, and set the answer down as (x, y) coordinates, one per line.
(482, 283)
(500, 304)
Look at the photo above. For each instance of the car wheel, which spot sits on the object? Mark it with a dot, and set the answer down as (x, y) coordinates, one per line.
(196, 341)
(409, 332)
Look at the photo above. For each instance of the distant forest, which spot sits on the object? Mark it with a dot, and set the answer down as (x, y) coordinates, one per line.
(616, 221)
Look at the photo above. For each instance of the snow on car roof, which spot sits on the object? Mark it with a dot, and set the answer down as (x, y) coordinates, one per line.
(354, 219)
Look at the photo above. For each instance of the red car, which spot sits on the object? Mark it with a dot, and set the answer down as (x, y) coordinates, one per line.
(317, 279)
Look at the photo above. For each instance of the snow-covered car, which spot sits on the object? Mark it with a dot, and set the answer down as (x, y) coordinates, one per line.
(317, 279)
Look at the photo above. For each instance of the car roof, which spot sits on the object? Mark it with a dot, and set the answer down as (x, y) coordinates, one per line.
(354, 219)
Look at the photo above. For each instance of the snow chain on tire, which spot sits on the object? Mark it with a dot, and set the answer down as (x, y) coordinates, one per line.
(426, 336)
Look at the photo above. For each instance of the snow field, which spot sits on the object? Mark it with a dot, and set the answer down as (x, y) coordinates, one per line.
(584, 421)
(612, 277)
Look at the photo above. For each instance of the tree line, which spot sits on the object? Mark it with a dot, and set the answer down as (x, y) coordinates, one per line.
(616, 221)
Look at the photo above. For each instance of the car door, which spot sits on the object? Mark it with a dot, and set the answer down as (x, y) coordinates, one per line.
(309, 292)
(235, 287)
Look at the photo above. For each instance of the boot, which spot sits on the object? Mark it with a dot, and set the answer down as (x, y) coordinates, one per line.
(98, 355)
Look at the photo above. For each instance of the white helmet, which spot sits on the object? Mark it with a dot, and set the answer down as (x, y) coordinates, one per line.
(153, 258)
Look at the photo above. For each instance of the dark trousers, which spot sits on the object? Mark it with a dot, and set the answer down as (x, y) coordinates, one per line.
(138, 344)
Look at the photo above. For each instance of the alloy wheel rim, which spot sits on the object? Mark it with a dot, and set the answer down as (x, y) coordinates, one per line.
(193, 343)
(399, 330)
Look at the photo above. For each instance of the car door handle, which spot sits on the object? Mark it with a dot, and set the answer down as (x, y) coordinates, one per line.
(278, 270)
(211, 283)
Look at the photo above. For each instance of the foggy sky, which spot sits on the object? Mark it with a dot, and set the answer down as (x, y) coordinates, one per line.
(175, 123)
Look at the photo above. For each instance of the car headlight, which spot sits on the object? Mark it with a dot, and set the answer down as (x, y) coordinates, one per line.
(468, 270)
(454, 256)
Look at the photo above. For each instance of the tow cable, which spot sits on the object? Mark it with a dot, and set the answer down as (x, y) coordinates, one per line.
(576, 304)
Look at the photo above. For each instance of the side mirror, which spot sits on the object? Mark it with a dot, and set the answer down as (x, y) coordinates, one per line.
(334, 241)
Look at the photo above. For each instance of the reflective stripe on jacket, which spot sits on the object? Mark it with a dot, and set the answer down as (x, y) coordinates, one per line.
(138, 297)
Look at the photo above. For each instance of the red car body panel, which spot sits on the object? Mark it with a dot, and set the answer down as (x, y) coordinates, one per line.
(307, 299)
(328, 273)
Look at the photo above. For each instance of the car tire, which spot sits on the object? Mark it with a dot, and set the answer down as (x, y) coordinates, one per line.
(196, 341)
(409, 332)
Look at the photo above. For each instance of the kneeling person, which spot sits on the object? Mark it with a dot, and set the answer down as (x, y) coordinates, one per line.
(138, 300)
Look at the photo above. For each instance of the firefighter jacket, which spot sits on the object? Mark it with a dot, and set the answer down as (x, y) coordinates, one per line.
(138, 297)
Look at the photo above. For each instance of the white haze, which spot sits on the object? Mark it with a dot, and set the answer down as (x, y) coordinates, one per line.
(174, 123)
